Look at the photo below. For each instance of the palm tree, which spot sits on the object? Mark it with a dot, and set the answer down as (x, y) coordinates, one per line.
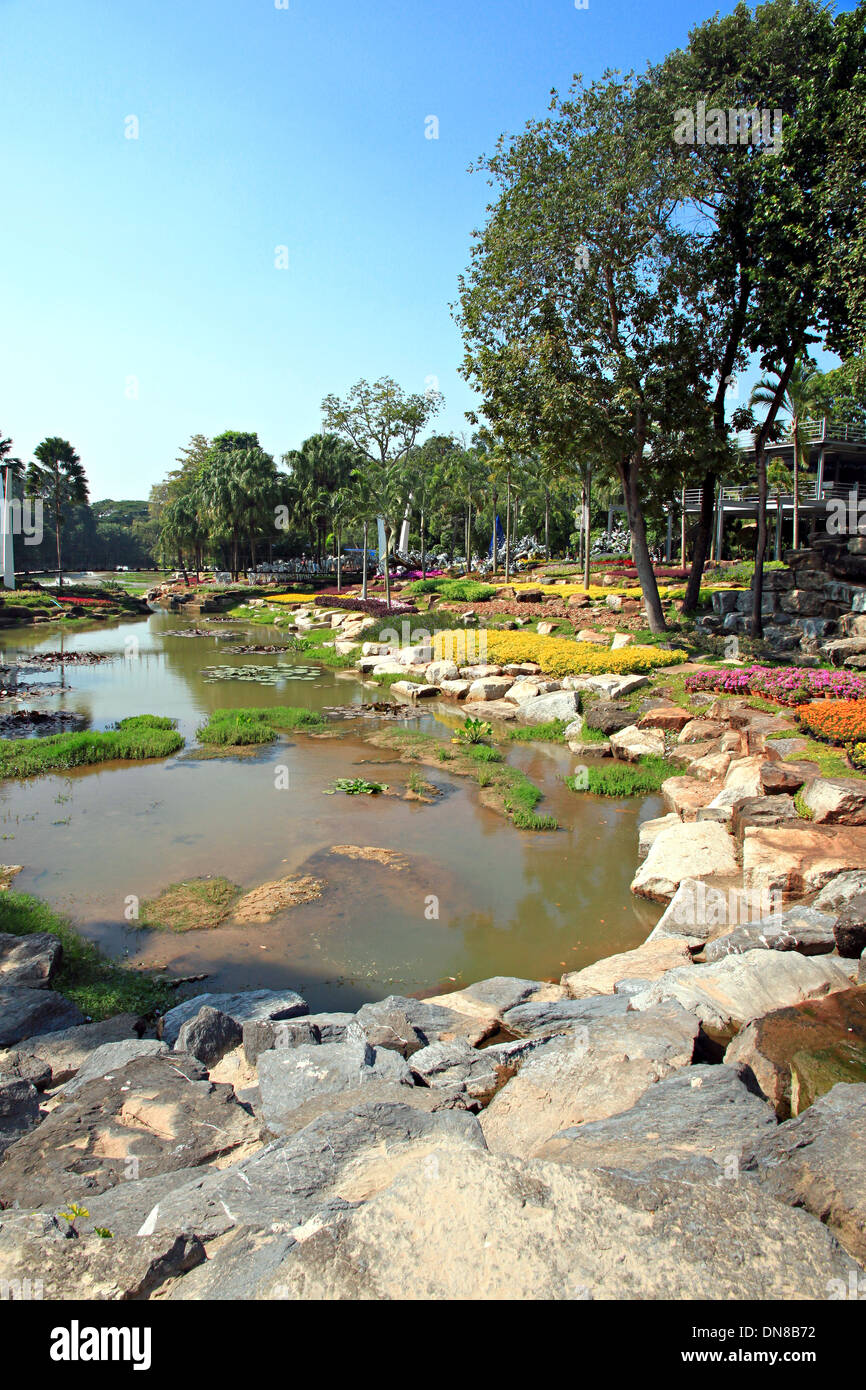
(801, 397)
(57, 476)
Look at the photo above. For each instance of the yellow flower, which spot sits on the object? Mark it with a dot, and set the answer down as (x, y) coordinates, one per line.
(557, 656)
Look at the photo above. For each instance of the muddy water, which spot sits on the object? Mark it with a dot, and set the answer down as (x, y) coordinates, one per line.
(476, 897)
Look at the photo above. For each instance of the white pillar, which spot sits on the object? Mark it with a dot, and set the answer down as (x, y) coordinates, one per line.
(8, 548)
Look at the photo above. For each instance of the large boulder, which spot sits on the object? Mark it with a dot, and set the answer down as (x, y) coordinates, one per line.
(19, 1110)
(559, 704)
(263, 1034)
(106, 1061)
(489, 688)
(670, 718)
(850, 928)
(700, 1111)
(685, 796)
(25, 1012)
(608, 716)
(94, 1268)
(646, 962)
(700, 849)
(405, 1024)
(797, 929)
(485, 1003)
(29, 960)
(588, 1073)
(799, 860)
(248, 1004)
(700, 731)
(298, 1083)
(492, 1227)
(209, 1036)
(633, 743)
(649, 829)
(840, 889)
(729, 993)
(798, 1053)
(155, 1115)
(836, 800)
(815, 1163)
(64, 1051)
(542, 1019)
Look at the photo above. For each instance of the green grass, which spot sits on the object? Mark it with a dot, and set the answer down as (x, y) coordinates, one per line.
(98, 986)
(481, 753)
(454, 590)
(191, 906)
(386, 681)
(831, 762)
(244, 726)
(624, 779)
(551, 731)
(139, 737)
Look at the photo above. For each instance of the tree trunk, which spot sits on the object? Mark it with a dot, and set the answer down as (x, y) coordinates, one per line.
(795, 539)
(547, 525)
(507, 527)
(387, 566)
(337, 534)
(587, 523)
(628, 472)
(364, 566)
(423, 552)
(702, 542)
(757, 623)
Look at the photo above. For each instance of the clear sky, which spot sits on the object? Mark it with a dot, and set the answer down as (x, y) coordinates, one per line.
(141, 297)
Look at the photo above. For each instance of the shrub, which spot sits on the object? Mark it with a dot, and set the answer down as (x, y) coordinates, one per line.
(245, 726)
(786, 685)
(837, 721)
(455, 590)
(623, 779)
(857, 754)
(472, 731)
(558, 656)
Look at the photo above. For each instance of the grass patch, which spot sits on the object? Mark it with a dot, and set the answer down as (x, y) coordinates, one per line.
(197, 904)
(237, 727)
(98, 986)
(551, 731)
(138, 738)
(481, 753)
(622, 779)
(803, 811)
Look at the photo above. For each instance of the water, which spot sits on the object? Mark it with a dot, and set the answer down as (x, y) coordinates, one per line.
(478, 897)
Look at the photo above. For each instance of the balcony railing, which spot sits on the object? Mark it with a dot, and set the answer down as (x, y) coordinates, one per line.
(830, 429)
(747, 495)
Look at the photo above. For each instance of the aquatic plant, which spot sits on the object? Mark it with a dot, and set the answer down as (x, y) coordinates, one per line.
(244, 726)
(356, 786)
(472, 731)
(132, 740)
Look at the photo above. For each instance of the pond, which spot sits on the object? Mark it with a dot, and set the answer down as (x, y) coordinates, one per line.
(475, 897)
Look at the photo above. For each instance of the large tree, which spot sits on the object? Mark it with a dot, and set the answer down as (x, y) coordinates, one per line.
(56, 476)
(382, 424)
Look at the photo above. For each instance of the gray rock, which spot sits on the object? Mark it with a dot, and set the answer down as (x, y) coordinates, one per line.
(476, 1074)
(29, 960)
(840, 890)
(816, 1162)
(94, 1268)
(490, 1227)
(429, 1022)
(701, 1111)
(22, 1066)
(589, 1073)
(850, 928)
(66, 1050)
(155, 1115)
(209, 1036)
(248, 1004)
(262, 1034)
(387, 1025)
(797, 929)
(558, 704)
(288, 1181)
(609, 716)
(297, 1083)
(529, 1020)
(19, 1111)
(24, 1012)
(105, 1061)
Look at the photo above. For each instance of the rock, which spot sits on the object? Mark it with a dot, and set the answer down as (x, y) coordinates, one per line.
(558, 1016)
(800, 860)
(478, 1075)
(249, 1004)
(700, 730)
(649, 829)
(633, 743)
(209, 1036)
(548, 1232)
(711, 768)
(95, 1268)
(286, 1183)
(694, 911)
(728, 993)
(621, 639)
(104, 1062)
(545, 629)
(685, 851)
(25, 1012)
(668, 717)
(298, 1083)
(479, 672)
(490, 688)
(797, 929)
(588, 1073)
(646, 962)
(22, 1066)
(439, 671)
(261, 1035)
(429, 1020)
(491, 709)
(700, 1111)
(777, 778)
(485, 1003)
(840, 890)
(762, 811)
(456, 690)
(529, 689)
(156, 1115)
(608, 716)
(685, 796)
(386, 1024)
(850, 928)
(421, 654)
(68, 1049)
(589, 748)
(836, 801)
(815, 1163)
(558, 704)
(742, 780)
(29, 960)
(589, 634)
(799, 1053)
(611, 686)
(19, 1110)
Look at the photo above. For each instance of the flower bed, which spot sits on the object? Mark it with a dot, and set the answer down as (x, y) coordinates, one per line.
(376, 607)
(557, 656)
(787, 685)
(84, 602)
(836, 721)
(858, 756)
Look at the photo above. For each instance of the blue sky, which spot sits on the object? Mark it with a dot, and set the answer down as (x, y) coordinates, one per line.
(141, 300)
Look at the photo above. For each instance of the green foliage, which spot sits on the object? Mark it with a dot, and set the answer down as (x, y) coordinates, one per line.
(356, 786)
(623, 779)
(134, 739)
(551, 731)
(455, 590)
(481, 753)
(473, 731)
(98, 986)
(240, 727)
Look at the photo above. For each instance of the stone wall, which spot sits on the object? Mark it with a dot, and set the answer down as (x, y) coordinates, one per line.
(813, 608)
